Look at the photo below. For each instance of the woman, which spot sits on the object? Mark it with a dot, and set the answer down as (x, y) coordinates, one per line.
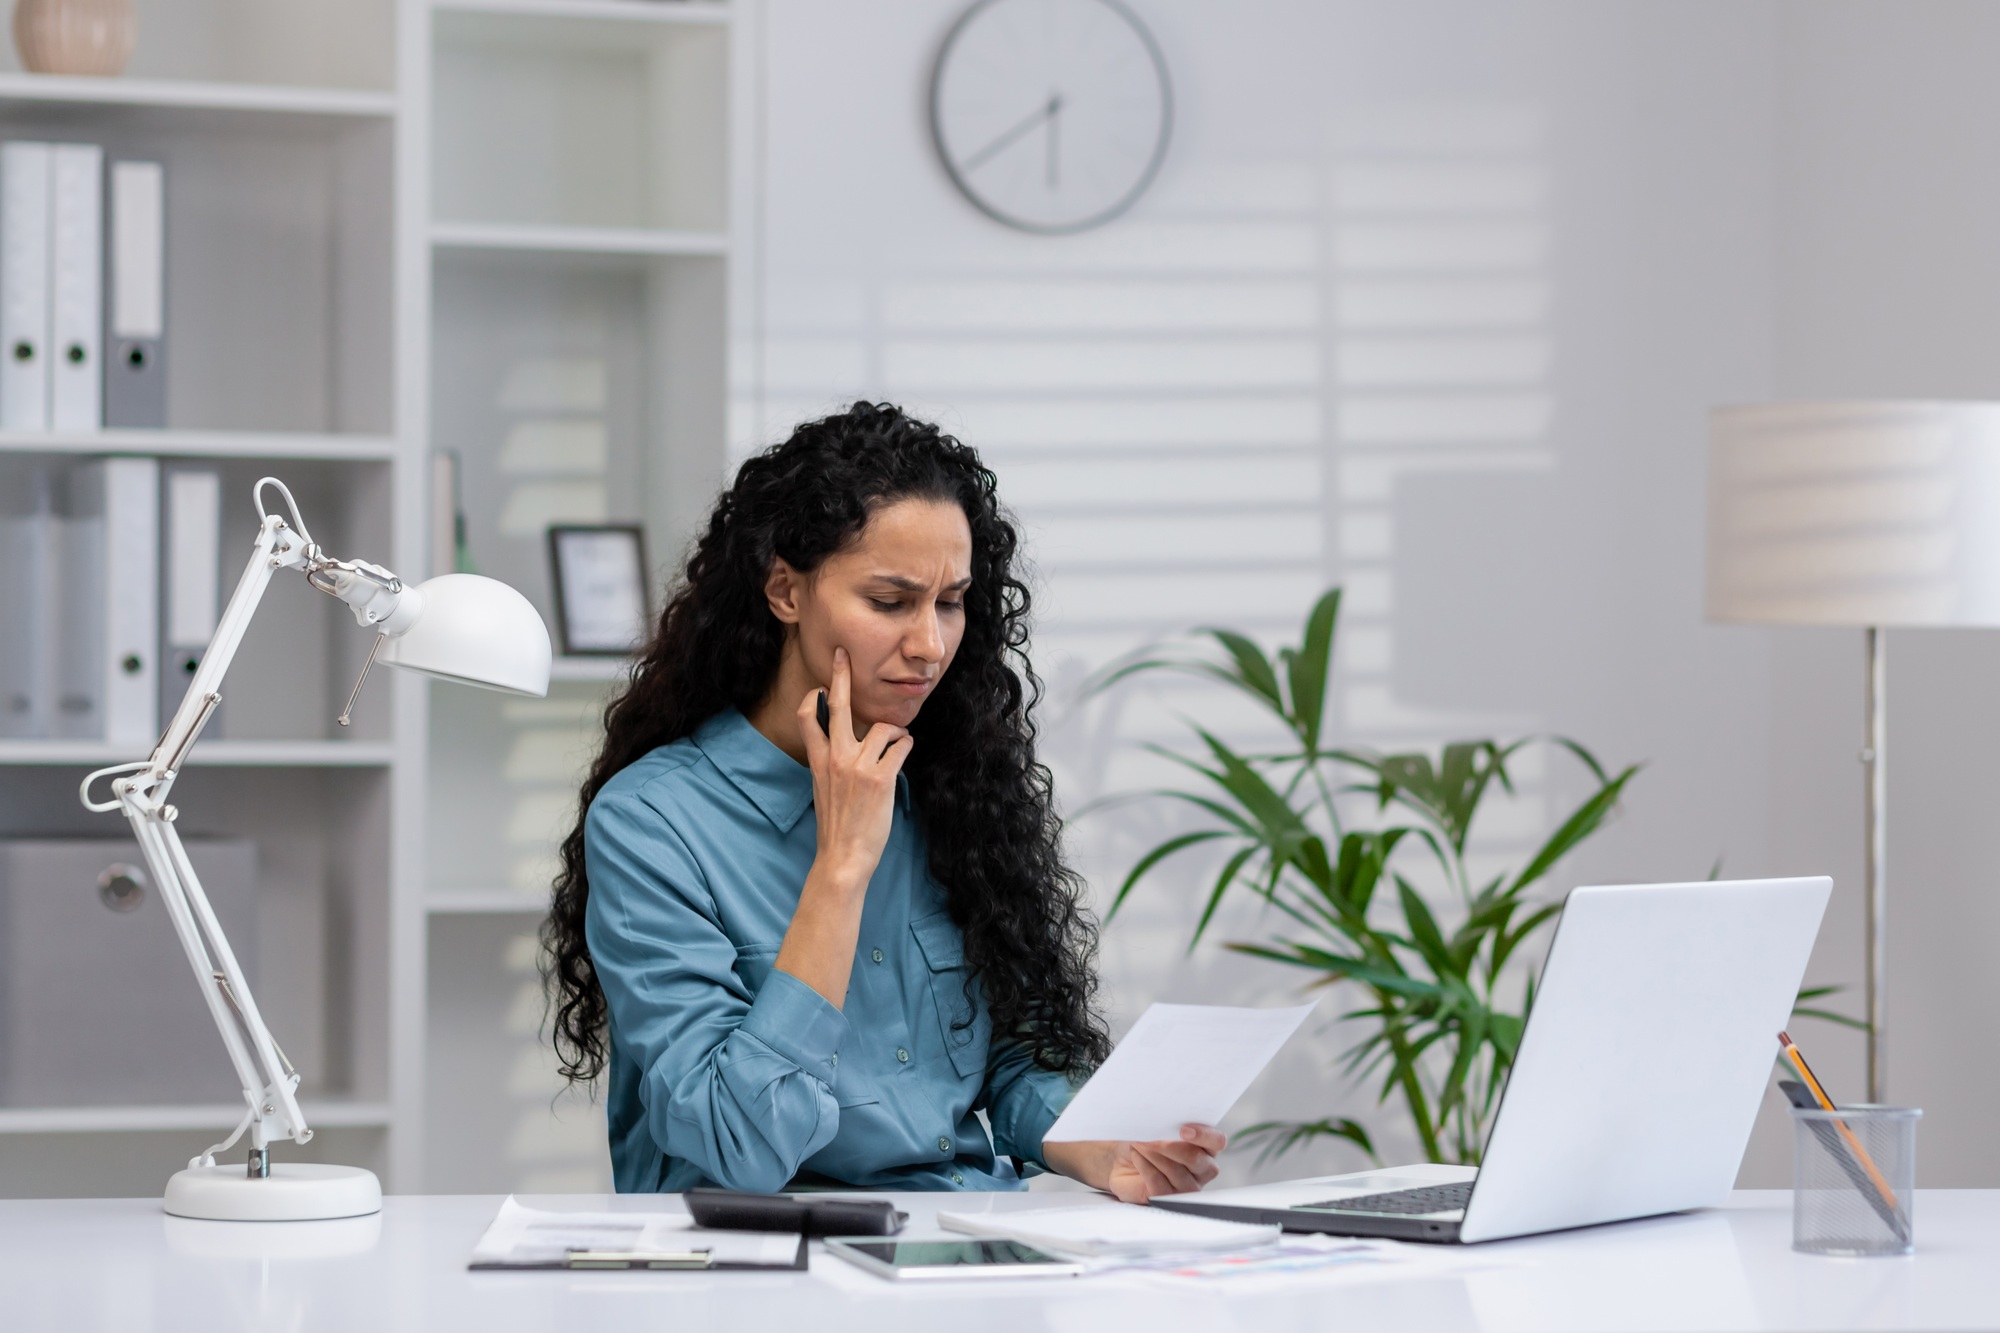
(815, 915)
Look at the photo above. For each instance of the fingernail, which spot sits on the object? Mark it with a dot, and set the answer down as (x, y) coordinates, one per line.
(1189, 1132)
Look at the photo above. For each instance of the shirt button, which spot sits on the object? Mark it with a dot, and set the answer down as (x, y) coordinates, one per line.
(876, 955)
(944, 1145)
(836, 1060)
(957, 1179)
(902, 1055)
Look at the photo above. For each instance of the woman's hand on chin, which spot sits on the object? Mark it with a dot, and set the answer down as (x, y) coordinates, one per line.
(1136, 1172)
(854, 781)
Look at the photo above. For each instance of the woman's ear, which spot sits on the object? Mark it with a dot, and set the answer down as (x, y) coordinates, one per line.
(784, 588)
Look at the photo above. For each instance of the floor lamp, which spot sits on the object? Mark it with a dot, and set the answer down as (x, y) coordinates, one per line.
(1865, 515)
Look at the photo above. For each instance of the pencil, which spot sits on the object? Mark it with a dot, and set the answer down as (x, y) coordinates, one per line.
(1818, 1091)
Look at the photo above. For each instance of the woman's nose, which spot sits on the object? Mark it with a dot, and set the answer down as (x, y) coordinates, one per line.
(926, 641)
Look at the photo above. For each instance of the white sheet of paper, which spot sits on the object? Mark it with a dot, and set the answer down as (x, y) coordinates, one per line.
(1180, 1064)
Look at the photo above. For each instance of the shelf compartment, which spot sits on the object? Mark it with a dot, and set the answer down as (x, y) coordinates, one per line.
(206, 444)
(319, 952)
(607, 115)
(504, 774)
(119, 96)
(334, 1113)
(321, 52)
(279, 261)
(636, 242)
(206, 754)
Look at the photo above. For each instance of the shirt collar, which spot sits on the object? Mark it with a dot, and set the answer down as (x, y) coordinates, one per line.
(775, 783)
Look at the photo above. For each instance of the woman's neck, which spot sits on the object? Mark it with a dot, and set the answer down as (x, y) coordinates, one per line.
(777, 717)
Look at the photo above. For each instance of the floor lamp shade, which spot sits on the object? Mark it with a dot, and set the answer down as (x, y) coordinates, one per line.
(1870, 515)
(1862, 514)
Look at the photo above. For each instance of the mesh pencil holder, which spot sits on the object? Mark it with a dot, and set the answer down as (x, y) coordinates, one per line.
(1854, 1177)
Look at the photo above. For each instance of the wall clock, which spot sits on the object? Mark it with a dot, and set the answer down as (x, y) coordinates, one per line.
(1050, 115)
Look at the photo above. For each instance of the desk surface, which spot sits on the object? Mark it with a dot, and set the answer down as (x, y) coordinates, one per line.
(119, 1264)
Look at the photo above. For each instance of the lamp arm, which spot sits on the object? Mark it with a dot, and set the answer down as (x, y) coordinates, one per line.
(269, 1082)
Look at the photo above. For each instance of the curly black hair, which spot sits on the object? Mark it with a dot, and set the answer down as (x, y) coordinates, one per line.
(986, 806)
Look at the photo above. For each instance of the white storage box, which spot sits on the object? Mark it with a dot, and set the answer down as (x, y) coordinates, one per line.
(97, 1002)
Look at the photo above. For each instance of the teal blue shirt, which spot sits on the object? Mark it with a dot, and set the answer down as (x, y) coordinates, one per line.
(725, 1072)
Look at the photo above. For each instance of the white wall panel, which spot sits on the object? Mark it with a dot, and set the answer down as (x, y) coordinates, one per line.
(1460, 281)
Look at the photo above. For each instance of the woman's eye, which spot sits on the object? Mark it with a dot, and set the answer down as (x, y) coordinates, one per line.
(951, 606)
(881, 605)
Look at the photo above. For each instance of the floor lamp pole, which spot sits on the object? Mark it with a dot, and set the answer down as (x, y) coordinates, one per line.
(1875, 889)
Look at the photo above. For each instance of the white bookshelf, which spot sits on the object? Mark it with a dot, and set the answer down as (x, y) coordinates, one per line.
(209, 753)
(601, 15)
(485, 902)
(575, 172)
(374, 212)
(635, 242)
(218, 1118)
(106, 98)
(276, 446)
(568, 670)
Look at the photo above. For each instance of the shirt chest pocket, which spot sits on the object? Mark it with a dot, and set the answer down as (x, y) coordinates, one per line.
(962, 1022)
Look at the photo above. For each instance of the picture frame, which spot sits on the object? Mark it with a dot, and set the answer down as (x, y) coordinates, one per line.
(598, 572)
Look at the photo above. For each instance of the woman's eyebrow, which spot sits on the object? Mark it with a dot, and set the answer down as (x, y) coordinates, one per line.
(901, 584)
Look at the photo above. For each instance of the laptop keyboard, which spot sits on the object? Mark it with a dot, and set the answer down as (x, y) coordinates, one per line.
(1424, 1199)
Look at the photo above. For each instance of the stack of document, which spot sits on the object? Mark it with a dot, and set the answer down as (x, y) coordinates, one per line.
(1111, 1230)
(523, 1237)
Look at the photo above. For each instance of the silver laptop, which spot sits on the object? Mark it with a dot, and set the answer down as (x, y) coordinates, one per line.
(1637, 1082)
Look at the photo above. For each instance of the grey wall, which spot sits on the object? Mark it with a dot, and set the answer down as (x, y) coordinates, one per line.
(1690, 203)
(1888, 284)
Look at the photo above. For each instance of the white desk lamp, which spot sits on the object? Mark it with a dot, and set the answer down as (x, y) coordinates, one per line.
(1865, 515)
(458, 627)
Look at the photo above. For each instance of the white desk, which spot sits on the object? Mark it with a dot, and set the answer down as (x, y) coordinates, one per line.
(85, 1265)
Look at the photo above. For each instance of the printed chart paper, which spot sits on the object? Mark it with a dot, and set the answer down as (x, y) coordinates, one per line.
(1180, 1064)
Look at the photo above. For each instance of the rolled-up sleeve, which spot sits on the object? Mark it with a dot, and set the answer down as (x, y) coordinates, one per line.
(740, 1085)
(1022, 1100)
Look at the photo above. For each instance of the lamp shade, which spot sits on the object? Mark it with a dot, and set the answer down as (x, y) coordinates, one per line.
(1854, 514)
(477, 631)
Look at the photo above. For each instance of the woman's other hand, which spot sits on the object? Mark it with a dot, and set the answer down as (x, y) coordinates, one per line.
(854, 781)
(1136, 1172)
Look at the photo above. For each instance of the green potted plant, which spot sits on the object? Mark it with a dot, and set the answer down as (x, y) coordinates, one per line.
(1436, 974)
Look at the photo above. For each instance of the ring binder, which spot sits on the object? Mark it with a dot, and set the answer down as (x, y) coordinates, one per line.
(24, 285)
(135, 376)
(76, 285)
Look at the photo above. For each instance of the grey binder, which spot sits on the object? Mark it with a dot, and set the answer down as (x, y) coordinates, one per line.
(135, 288)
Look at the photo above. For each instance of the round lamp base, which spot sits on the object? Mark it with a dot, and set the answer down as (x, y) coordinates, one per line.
(293, 1192)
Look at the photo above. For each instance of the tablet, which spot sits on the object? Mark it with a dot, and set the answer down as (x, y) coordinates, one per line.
(911, 1259)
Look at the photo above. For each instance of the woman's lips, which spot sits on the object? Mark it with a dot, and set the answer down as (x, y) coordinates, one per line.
(911, 687)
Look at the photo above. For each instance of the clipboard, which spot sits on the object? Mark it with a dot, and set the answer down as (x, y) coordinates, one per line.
(692, 1260)
(521, 1239)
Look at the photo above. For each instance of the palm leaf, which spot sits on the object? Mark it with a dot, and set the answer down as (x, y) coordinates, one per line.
(1222, 883)
(1306, 670)
(1154, 857)
(1253, 669)
(1281, 1136)
(1584, 821)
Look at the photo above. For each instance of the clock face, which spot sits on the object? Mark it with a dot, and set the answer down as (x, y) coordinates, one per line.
(1051, 115)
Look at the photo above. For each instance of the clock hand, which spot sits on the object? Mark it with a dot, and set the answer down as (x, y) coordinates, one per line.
(1013, 135)
(1055, 122)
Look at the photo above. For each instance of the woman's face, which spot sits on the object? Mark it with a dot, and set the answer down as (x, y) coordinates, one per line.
(894, 599)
